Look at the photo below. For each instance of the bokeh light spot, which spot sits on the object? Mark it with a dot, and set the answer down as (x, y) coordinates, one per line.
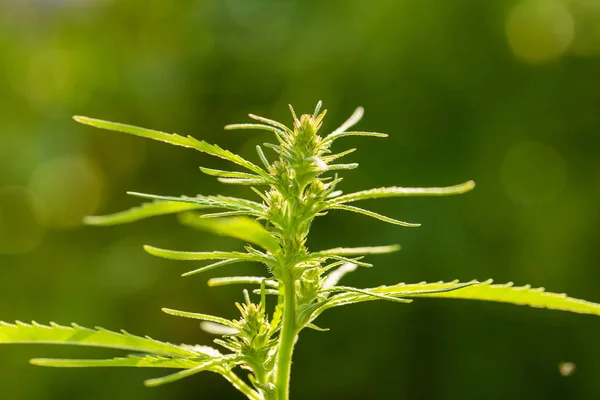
(533, 172)
(20, 230)
(587, 27)
(67, 189)
(539, 30)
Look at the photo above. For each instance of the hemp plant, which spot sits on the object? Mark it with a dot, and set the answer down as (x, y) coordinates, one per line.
(300, 183)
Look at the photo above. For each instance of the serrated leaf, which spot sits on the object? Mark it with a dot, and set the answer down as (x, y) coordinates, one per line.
(268, 121)
(474, 290)
(231, 203)
(147, 361)
(355, 251)
(341, 167)
(229, 174)
(200, 255)
(373, 215)
(402, 192)
(99, 337)
(355, 133)
(262, 127)
(202, 317)
(174, 139)
(242, 228)
(211, 365)
(217, 151)
(506, 293)
(170, 138)
(365, 292)
(146, 210)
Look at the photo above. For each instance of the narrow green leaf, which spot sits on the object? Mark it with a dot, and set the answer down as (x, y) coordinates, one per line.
(342, 167)
(203, 317)
(170, 138)
(210, 266)
(373, 215)
(242, 280)
(505, 293)
(316, 328)
(130, 361)
(262, 157)
(216, 151)
(146, 210)
(230, 203)
(174, 139)
(242, 228)
(193, 256)
(349, 123)
(223, 214)
(229, 174)
(355, 260)
(333, 157)
(355, 251)
(366, 292)
(335, 276)
(231, 127)
(402, 191)
(217, 329)
(271, 122)
(346, 134)
(212, 365)
(243, 181)
(99, 337)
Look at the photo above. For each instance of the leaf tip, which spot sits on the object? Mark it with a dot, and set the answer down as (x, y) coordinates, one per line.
(81, 119)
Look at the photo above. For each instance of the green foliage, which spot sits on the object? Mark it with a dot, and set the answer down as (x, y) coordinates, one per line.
(301, 185)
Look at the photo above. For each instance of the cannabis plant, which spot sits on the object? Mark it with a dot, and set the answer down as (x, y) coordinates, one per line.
(300, 182)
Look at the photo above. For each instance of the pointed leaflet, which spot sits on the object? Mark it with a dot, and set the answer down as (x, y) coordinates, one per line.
(336, 275)
(243, 280)
(170, 138)
(230, 203)
(174, 139)
(146, 210)
(374, 215)
(349, 123)
(505, 293)
(130, 361)
(210, 365)
(243, 228)
(355, 251)
(203, 317)
(99, 337)
(401, 192)
(196, 256)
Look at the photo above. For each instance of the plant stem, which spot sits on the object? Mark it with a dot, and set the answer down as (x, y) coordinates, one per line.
(240, 385)
(287, 340)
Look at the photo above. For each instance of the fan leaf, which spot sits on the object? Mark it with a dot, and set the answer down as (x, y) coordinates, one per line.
(143, 211)
(99, 337)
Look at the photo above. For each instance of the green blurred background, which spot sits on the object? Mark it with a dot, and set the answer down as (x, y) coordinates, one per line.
(502, 92)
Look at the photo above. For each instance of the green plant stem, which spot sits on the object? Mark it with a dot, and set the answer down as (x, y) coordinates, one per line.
(240, 385)
(287, 340)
